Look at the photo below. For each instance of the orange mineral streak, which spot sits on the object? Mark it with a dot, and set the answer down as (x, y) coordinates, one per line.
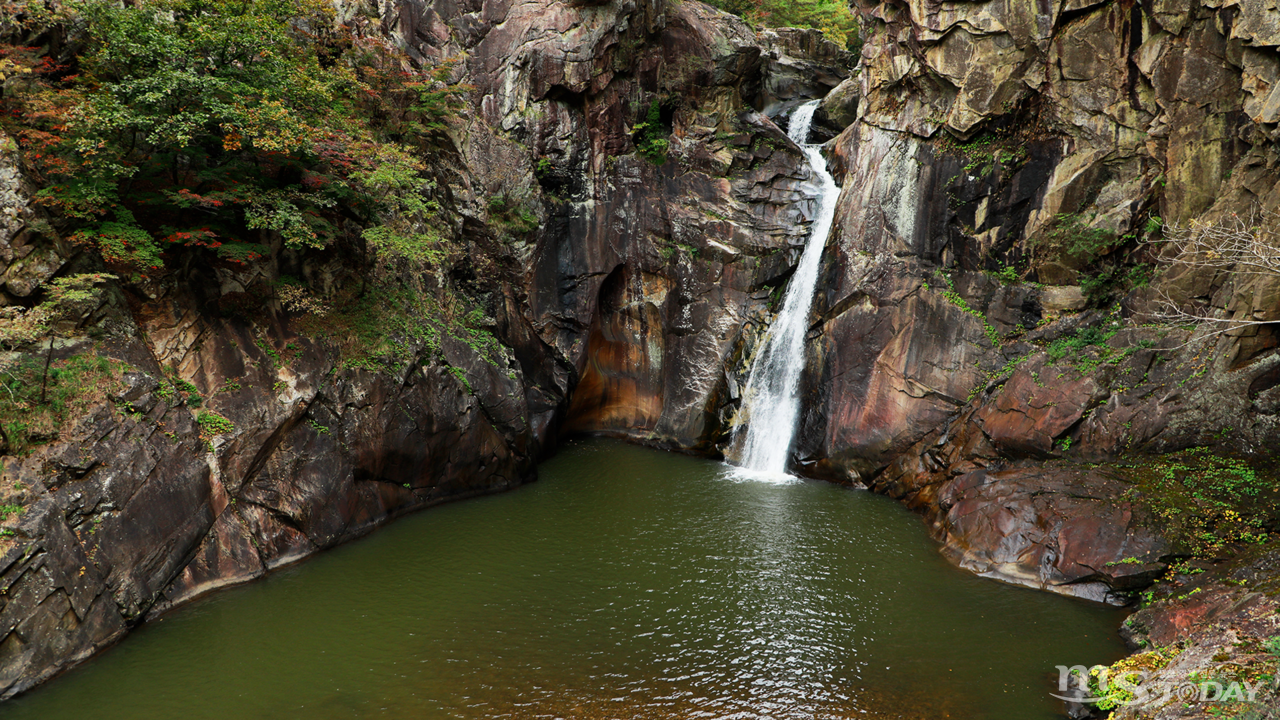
(622, 386)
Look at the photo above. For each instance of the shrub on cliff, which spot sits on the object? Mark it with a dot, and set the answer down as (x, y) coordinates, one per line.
(1069, 235)
(1103, 262)
(36, 390)
(651, 136)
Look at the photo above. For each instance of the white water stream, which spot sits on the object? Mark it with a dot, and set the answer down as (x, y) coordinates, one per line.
(771, 401)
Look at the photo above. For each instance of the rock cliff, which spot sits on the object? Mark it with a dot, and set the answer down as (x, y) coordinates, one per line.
(975, 352)
(982, 126)
(220, 433)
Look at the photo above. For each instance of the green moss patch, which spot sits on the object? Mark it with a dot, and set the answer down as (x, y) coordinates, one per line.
(1206, 501)
(71, 387)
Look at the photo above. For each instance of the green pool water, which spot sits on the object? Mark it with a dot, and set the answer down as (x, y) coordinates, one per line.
(625, 583)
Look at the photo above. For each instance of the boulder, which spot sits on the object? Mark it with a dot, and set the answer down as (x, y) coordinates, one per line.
(1060, 530)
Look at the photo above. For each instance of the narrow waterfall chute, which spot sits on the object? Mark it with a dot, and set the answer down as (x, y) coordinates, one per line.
(771, 401)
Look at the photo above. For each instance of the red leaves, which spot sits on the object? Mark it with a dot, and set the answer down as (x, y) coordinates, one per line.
(314, 181)
(185, 198)
(47, 66)
(202, 237)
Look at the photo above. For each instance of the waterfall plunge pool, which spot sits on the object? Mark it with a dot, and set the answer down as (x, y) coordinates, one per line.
(626, 583)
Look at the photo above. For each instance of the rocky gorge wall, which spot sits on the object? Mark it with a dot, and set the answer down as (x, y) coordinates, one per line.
(959, 363)
(980, 124)
(218, 443)
(632, 305)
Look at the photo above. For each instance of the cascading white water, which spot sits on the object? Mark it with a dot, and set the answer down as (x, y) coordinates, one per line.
(771, 401)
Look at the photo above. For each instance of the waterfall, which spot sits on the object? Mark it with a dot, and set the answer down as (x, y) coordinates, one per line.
(771, 401)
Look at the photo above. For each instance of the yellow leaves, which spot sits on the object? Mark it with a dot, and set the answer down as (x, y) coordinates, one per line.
(9, 68)
(299, 300)
(1147, 661)
(272, 127)
(231, 140)
(87, 147)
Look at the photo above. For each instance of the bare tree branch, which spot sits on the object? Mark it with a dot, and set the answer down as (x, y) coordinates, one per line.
(1175, 314)
(1248, 245)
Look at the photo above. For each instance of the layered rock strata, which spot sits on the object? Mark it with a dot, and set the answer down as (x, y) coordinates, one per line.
(980, 129)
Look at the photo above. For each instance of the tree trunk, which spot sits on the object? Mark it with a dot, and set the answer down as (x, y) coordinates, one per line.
(44, 379)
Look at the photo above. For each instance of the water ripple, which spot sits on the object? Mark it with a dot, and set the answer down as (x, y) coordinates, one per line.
(627, 583)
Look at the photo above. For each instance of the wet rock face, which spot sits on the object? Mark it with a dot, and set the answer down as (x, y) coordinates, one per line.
(137, 507)
(1017, 486)
(908, 387)
(647, 271)
(896, 355)
(333, 453)
(800, 63)
(1058, 530)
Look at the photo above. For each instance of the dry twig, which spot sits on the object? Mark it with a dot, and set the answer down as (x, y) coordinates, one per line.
(1242, 245)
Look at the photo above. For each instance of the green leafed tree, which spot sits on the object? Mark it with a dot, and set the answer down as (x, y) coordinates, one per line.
(833, 17)
(228, 126)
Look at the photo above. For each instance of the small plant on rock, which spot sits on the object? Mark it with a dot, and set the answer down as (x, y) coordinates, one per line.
(651, 137)
(211, 423)
(1069, 234)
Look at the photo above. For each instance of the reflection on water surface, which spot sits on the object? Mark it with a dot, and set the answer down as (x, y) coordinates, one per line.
(627, 583)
